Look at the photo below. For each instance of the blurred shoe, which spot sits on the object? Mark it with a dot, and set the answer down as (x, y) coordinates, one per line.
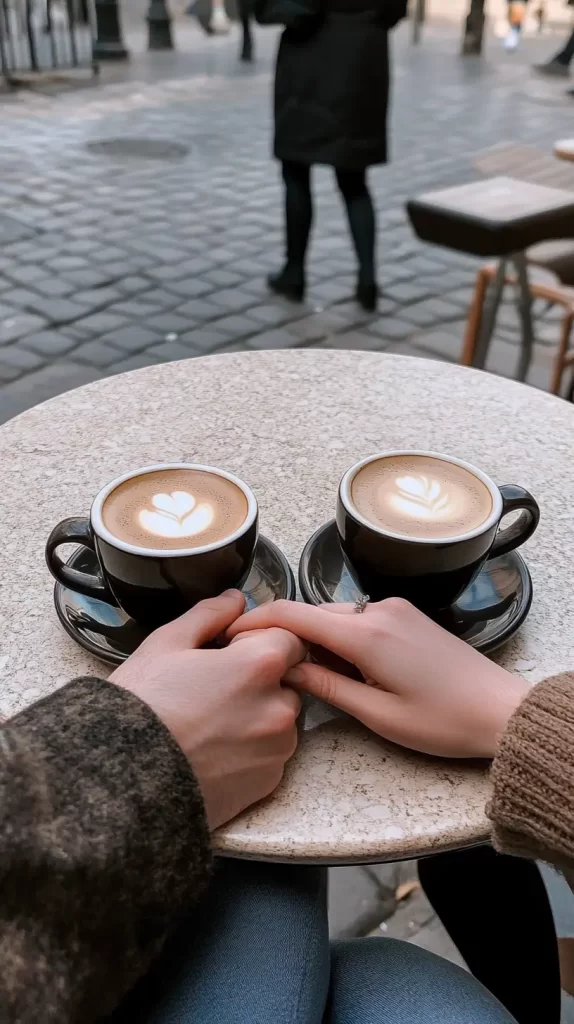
(220, 23)
(288, 283)
(553, 68)
(193, 12)
(512, 38)
(367, 295)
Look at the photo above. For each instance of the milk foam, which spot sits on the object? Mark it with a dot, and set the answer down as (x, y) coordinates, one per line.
(176, 515)
(421, 496)
(174, 508)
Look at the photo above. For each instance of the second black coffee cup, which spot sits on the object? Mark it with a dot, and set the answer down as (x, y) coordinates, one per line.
(165, 537)
(420, 525)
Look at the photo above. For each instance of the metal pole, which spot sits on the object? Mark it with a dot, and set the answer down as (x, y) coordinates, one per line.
(108, 44)
(419, 16)
(7, 42)
(524, 303)
(31, 37)
(159, 26)
(474, 29)
(7, 55)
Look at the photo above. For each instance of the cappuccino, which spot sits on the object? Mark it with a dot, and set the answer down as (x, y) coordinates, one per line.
(419, 496)
(172, 509)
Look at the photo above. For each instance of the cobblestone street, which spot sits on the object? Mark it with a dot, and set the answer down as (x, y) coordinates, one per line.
(140, 216)
(113, 257)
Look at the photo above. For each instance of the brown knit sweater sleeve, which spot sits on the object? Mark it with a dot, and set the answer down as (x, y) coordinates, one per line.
(532, 807)
(103, 842)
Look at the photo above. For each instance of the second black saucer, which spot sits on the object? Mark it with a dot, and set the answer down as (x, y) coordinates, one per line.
(109, 634)
(486, 616)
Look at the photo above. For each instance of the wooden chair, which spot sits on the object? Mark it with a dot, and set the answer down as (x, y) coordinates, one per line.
(531, 164)
(497, 217)
(542, 285)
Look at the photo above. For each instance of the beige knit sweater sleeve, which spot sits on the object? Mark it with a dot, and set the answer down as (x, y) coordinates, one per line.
(532, 806)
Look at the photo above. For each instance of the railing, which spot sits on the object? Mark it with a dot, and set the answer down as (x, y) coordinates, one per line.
(45, 35)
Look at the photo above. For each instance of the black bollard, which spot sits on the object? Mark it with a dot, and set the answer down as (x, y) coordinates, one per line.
(474, 29)
(159, 25)
(108, 44)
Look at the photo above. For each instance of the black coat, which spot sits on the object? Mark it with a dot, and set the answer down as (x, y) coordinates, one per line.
(332, 84)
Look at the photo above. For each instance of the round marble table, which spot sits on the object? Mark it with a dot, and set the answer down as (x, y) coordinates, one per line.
(290, 423)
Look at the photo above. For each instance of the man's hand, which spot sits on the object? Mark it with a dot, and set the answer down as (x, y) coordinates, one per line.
(426, 689)
(226, 708)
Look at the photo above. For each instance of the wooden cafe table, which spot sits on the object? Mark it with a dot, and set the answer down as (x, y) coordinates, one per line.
(290, 423)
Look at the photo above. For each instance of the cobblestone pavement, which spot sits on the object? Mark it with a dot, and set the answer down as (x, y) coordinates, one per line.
(111, 261)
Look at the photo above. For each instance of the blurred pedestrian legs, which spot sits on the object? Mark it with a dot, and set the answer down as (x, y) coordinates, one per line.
(214, 20)
(516, 13)
(559, 65)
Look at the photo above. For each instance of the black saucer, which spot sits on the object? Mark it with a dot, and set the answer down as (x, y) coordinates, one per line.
(111, 635)
(486, 616)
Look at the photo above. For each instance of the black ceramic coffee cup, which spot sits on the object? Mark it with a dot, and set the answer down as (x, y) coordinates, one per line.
(154, 586)
(431, 573)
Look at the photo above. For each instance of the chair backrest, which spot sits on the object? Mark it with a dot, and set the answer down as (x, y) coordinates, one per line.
(516, 160)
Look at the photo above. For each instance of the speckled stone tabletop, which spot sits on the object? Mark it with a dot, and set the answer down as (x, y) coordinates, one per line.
(290, 423)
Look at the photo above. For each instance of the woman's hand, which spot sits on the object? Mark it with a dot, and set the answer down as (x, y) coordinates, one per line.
(225, 708)
(426, 689)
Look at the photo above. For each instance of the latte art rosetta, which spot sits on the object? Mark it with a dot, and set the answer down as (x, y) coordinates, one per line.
(422, 498)
(176, 515)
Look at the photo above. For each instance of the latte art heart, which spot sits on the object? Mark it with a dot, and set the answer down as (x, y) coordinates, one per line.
(177, 515)
(177, 504)
(174, 509)
(421, 497)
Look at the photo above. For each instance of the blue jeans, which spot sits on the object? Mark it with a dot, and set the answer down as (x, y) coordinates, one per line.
(257, 952)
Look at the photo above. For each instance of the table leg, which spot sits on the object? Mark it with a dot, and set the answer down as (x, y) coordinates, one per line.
(492, 302)
(524, 303)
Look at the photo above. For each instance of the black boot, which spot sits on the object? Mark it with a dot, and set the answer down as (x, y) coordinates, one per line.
(247, 49)
(290, 283)
(367, 294)
(553, 69)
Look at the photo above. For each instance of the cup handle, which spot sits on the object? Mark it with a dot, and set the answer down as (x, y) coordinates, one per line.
(76, 531)
(514, 499)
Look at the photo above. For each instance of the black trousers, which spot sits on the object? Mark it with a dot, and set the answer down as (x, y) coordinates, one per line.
(244, 10)
(566, 55)
(496, 910)
(299, 216)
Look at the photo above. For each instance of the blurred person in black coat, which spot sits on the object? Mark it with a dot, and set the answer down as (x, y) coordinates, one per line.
(331, 100)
